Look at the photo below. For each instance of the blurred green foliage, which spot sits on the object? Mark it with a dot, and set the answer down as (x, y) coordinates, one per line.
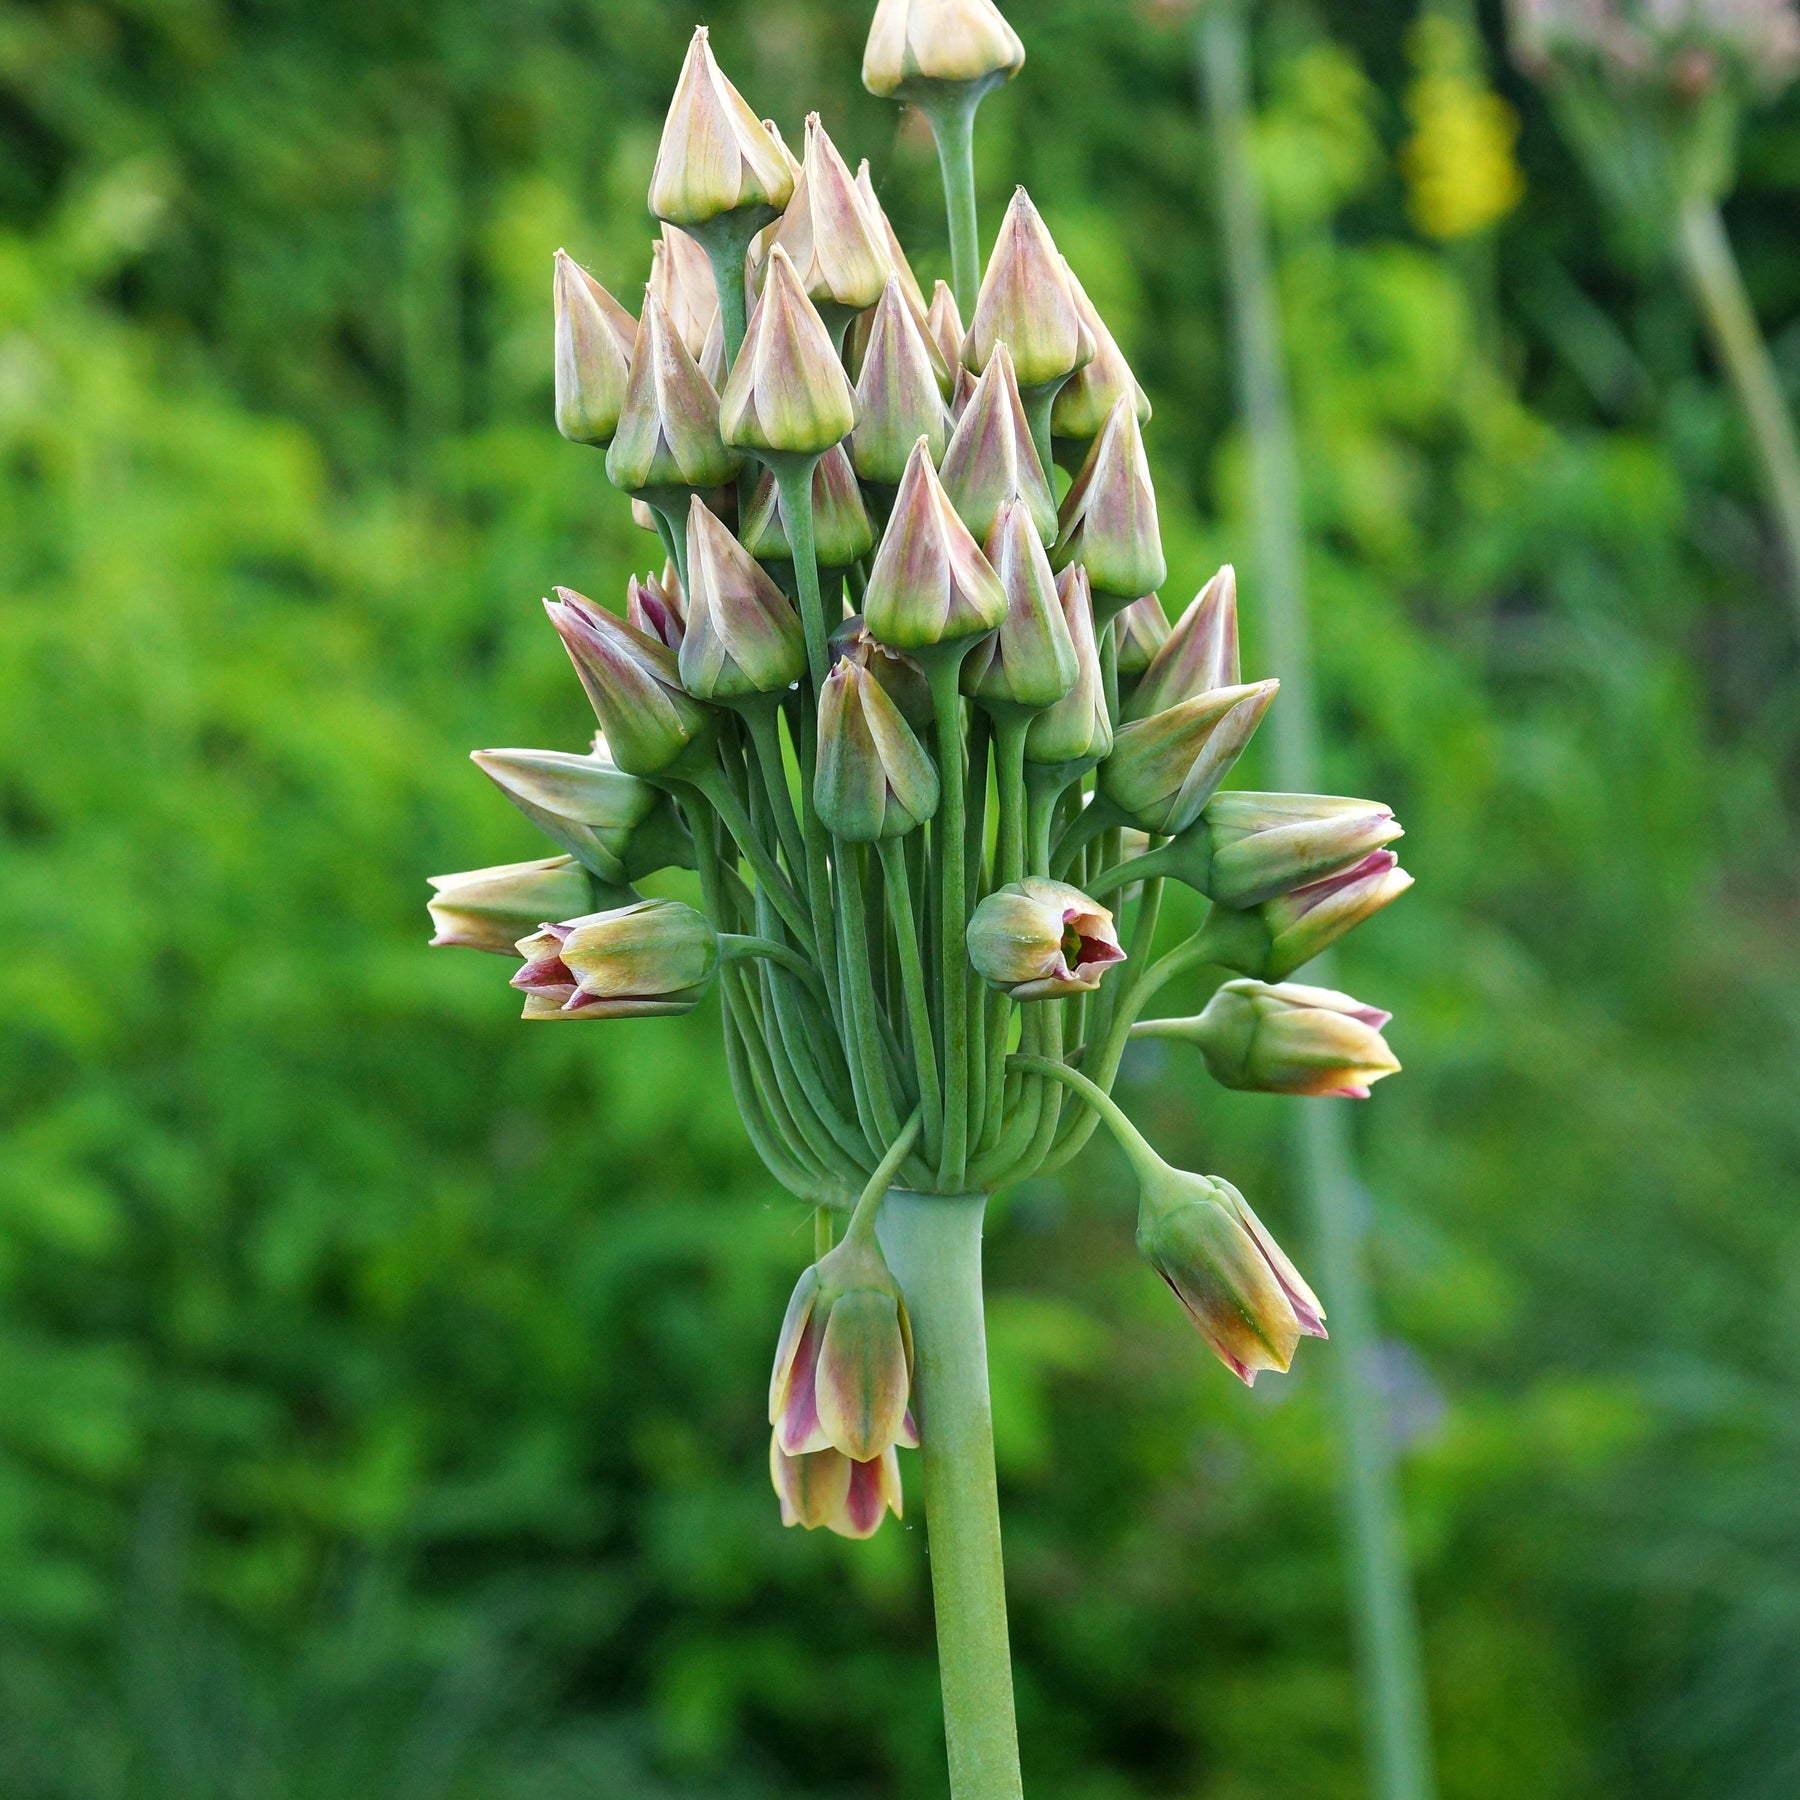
(381, 1381)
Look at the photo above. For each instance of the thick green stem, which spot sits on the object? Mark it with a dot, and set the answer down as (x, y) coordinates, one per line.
(912, 979)
(793, 476)
(953, 987)
(951, 113)
(933, 1246)
(671, 529)
(725, 240)
(714, 785)
(1712, 271)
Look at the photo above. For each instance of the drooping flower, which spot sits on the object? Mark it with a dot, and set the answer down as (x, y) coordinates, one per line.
(1042, 940)
(650, 958)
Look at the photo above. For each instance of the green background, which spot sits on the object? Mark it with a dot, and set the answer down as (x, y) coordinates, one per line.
(382, 1381)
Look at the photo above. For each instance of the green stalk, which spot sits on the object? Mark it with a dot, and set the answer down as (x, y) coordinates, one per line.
(953, 987)
(859, 997)
(717, 788)
(671, 529)
(793, 476)
(1712, 271)
(1398, 1721)
(950, 112)
(726, 241)
(765, 740)
(912, 978)
(933, 1246)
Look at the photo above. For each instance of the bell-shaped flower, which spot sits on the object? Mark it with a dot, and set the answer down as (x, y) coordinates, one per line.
(992, 460)
(1165, 768)
(682, 279)
(1139, 631)
(825, 1488)
(653, 610)
(1200, 654)
(914, 44)
(1026, 302)
(843, 1367)
(1041, 940)
(744, 638)
(944, 322)
(632, 683)
(897, 394)
(487, 909)
(836, 247)
(1030, 662)
(1083, 401)
(587, 804)
(930, 583)
(1262, 845)
(1109, 513)
(594, 340)
(715, 156)
(874, 778)
(1246, 1299)
(897, 674)
(650, 958)
(668, 440)
(787, 392)
(1077, 729)
(842, 533)
(1286, 1039)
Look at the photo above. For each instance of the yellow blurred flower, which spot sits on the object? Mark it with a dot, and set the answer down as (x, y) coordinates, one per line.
(1461, 174)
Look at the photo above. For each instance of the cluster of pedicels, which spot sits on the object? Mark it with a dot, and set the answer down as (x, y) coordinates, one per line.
(903, 695)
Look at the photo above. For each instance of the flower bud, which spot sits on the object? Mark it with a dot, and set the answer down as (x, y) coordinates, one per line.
(486, 909)
(655, 611)
(1164, 769)
(1041, 940)
(1077, 729)
(874, 779)
(743, 636)
(668, 438)
(824, 1487)
(682, 279)
(1109, 513)
(837, 248)
(916, 43)
(594, 339)
(1246, 1299)
(650, 958)
(1199, 655)
(587, 804)
(1083, 401)
(991, 458)
(1307, 920)
(1139, 631)
(1286, 1040)
(897, 394)
(1030, 661)
(1027, 303)
(961, 395)
(897, 675)
(1262, 845)
(787, 391)
(715, 156)
(944, 323)
(842, 533)
(843, 1366)
(913, 294)
(930, 584)
(631, 683)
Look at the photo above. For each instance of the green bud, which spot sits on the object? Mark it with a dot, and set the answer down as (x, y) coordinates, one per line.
(897, 394)
(944, 323)
(1030, 661)
(1042, 940)
(715, 156)
(1027, 303)
(1139, 631)
(930, 584)
(1263, 845)
(897, 675)
(874, 779)
(1109, 513)
(668, 439)
(594, 339)
(743, 637)
(836, 246)
(682, 279)
(649, 958)
(991, 458)
(1164, 769)
(1245, 1298)
(917, 45)
(825, 1488)
(787, 391)
(896, 254)
(1199, 655)
(842, 533)
(488, 909)
(1286, 1040)
(1082, 403)
(1077, 728)
(587, 804)
(632, 683)
(656, 610)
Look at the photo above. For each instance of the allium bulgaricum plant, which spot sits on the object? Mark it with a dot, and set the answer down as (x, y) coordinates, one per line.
(903, 696)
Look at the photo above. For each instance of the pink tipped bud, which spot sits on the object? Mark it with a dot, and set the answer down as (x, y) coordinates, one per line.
(715, 156)
(594, 340)
(918, 44)
(1108, 517)
(487, 909)
(787, 391)
(1028, 303)
(1077, 729)
(1164, 769)
(1042, 940)
(668, 440)
(1200, 654)
(744, 638)
(991, 459)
